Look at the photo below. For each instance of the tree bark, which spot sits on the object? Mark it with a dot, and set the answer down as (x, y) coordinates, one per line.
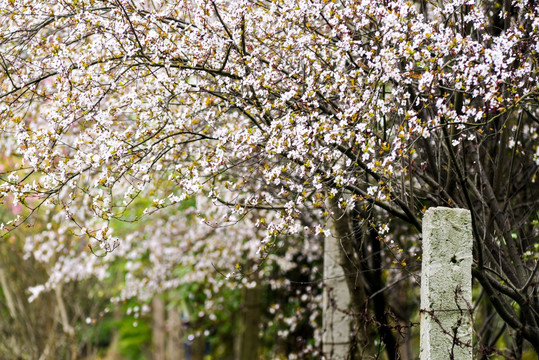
(248, 341)
(198, 348)
(7, 294)
(158, 328)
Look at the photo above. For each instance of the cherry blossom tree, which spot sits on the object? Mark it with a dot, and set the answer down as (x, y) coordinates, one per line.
(202, 269)
(288, 114)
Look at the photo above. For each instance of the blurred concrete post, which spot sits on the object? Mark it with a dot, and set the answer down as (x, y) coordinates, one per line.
(175, 346)
(336, 300)
(446, 285)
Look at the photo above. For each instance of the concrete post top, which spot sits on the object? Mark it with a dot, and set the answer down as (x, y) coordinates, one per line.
(447, 211)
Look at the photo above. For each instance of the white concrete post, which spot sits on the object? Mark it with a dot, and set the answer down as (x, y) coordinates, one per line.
(446, 285)
(336, 300)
